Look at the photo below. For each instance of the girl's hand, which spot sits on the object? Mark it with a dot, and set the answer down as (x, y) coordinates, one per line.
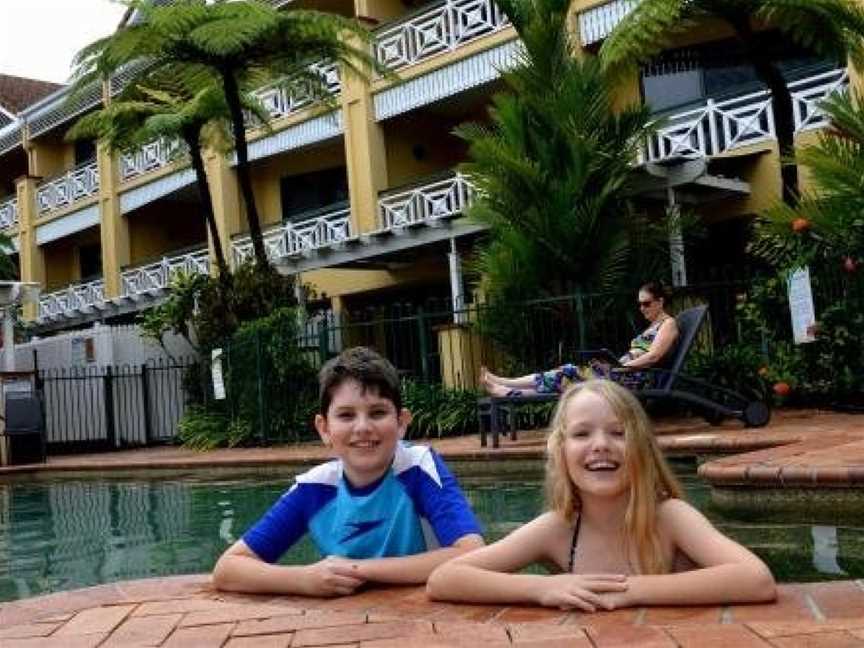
(584, 592)
(333, 576)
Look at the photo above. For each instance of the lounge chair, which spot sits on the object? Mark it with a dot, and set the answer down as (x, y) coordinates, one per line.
(666, 382)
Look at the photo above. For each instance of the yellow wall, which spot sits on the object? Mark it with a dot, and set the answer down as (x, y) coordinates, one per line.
(266, 176)
(337, 282)
(432, 136)
(160, 228)
(379, 10)
(62, 260)
(50, 156)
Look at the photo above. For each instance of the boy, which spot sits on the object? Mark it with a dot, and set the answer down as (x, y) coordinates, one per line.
(376, 512)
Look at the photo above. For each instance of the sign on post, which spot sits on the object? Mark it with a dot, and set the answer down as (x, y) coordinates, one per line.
(801, 306)
(216, 372)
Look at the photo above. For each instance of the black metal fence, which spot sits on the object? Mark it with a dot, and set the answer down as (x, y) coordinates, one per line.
(106, 408)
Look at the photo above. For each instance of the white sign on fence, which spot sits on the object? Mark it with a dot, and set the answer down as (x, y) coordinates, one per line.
(216, 371)
(801, 306)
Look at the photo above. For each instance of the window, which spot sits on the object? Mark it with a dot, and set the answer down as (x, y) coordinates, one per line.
(312, 191)
(90, 261)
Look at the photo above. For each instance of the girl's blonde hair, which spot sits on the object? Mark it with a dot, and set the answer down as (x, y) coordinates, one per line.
(650, 479)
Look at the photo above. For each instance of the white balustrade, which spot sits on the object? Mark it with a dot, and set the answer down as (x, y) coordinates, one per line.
(440, 29)
(808, 92)
(280, 102)
(77, 297)
(149, 157)
(157, 276)
(426, 203)
(597, 23)
(80, 182)
(721, 126)
(290, 239)
(8, 213)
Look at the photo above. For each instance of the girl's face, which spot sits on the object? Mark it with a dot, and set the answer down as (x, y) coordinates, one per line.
(594, 447)
(650, 306)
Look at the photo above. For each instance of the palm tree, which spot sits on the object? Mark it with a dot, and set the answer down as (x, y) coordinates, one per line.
(826, 227)
(553, 167)
(553, 173)
(830, 28)
(171, 110)
(242, 44)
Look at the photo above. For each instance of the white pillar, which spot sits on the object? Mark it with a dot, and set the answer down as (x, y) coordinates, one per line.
(676, 240)
(457, 290)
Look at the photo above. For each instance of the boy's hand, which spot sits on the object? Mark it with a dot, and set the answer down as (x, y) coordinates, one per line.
(333, 576)
(586, 592)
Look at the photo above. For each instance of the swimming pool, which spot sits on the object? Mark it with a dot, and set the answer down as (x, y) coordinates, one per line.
(62, 534)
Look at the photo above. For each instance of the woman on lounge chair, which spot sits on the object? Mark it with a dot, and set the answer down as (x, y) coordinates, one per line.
(646, 350)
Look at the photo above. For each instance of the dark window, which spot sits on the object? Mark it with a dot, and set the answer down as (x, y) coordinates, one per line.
(90, 261)
(85, 150)
(689, 75)
(312, 191)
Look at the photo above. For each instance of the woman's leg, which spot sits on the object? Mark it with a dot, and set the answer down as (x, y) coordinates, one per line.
(522, 382)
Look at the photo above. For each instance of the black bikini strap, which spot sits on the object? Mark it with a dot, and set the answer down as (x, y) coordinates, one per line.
(573, 543)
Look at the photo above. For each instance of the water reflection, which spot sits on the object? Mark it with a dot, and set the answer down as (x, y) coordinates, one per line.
(57, 535)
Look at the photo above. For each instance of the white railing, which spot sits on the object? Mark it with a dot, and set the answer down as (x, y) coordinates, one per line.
(808, 92)
(77, 297)
(8, 213)
(720, 126)
(80, 182)
(440, 29)
(157, 276)
(279, 102)
(289, 239)
(149, 157)
(425, 203)
(597, 23)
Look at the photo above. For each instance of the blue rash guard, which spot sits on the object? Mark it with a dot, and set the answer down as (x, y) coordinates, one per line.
(415, 506)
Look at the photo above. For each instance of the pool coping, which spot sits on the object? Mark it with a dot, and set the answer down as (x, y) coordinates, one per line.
(177, 610)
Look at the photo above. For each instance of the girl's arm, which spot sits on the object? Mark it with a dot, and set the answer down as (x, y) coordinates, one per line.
(728, 572)
(482, 576)
(662, 344)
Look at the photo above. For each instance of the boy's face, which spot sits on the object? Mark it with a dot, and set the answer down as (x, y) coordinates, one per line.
(363, 430)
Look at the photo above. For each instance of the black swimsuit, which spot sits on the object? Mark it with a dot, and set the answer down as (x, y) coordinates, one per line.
(573, 544)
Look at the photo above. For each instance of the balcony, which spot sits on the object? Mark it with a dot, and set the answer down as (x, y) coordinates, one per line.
(441, 28)
(597, 23)
(281, 103)
(296, 239)
(156, 277)
(720, 126)
(72, 186)
(8, 213)
(82, 298)
(426, 203)
(150, 157)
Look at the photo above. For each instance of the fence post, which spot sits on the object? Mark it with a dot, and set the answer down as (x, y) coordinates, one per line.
(580, 317)
(110, 431)
(323, 342)
(145, 395)
(424, 344)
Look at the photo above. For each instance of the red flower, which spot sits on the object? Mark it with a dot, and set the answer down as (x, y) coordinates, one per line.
(800, 225)
(782, 389)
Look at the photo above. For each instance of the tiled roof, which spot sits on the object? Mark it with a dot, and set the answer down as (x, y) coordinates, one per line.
(16, 93)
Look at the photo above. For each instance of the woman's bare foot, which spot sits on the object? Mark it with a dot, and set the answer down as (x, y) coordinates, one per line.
(488, 376)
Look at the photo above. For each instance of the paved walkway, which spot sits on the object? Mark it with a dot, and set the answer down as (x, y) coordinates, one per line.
(799, 448)
(184, 612)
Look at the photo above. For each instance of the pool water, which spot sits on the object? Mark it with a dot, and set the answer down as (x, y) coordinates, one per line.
(71, 533)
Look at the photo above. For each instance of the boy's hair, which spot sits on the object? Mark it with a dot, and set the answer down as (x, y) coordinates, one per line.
(650, 478)
(365, 366)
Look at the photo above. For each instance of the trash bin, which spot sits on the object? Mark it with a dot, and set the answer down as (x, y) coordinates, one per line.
(24, 429)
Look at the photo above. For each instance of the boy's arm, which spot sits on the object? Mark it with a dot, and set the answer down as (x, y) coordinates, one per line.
(241, 570)
(728, 572)
(406, 570)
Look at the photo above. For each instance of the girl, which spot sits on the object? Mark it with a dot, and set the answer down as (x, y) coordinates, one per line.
(617, 529)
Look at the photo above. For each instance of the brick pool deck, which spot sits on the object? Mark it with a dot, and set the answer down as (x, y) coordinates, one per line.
(809, 450)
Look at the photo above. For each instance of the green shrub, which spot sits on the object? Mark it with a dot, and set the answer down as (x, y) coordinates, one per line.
(438, 411)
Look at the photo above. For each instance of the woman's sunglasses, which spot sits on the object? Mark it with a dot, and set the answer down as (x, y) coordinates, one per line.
(646, 303)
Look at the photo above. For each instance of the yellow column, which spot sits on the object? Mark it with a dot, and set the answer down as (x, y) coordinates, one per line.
(378, 11)
(365, 152)
(227, 206)
(116, 250)
(30, 256)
